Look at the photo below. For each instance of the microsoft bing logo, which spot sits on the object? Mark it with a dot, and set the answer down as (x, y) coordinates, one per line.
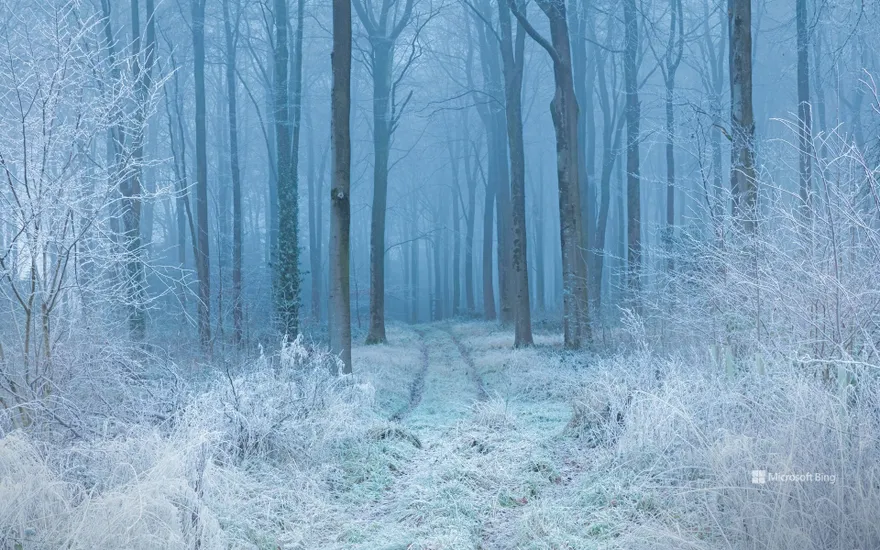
(759, 477)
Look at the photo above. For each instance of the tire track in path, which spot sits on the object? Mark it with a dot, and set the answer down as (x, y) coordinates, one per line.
(417, 387)
(474, 374)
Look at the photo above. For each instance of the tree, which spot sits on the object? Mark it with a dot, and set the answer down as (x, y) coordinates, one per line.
(512, 63)
(340, 185)
(132, 187)
(316, 222)
(742, 168)
(805, 114)
(203, 254)
(633, 173)
(669, 67)
(287, 280)
(490, 106)
(231, 36)
(382, 34)
(577, 331)
(613, 117)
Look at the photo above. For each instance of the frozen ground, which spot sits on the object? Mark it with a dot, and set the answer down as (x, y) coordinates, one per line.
(447, 438)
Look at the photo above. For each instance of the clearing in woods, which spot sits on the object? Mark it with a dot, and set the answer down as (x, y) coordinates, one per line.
(474, 442)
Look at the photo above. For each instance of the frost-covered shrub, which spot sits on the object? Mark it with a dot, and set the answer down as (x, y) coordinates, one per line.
(242, 464)
(694, 446)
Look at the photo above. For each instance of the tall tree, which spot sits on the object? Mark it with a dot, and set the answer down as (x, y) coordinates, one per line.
(132, 187)
(382, 32)
(316, 221)
(470, 168)
(805, 110)
(577, 331)
(493, 116)
(633, 170)
(203, 254)
(512, 59)
(669, 67)
(742, 120)
(340, 185)
(231, 35)
(610, 103)
(287, 280)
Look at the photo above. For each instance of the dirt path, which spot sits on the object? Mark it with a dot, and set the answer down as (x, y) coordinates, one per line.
(418, 384)
(467, 462)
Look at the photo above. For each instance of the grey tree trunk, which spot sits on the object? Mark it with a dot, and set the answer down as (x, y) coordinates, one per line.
(512, 63)
(456, 235)
(742, 168)
(381, 63)
(382, 35)
(414, 265)
(203, 254)
(633, 175)
(287, 267)
(805, 113)
(612, 132)
(470, 219)
(577, 331)
(340, 185)
(316, 241)
(672, 59)
(231, 34)
(132, 191)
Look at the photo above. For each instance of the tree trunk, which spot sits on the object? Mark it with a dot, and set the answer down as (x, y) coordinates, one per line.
(456, 238)
(612, 131)
(414, 265)
(340, 185)
(470, 301)
(633, 120)
(576, 328)
(315, 192)
(203, 253)
(231, 35)
(381, 66)
(132, 192)
(488, 290)
(805, 114)
(287, 267)
(512, 62)
(742, 169)
(538, 222)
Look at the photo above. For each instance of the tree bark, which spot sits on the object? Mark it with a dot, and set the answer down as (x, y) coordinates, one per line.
(577, 331)
(287, 267)
(340, 203)
(470, 219)
(231, 35)
(633, 176)
(203, 253)
(512, 63)
(805, 114)
(742, 169)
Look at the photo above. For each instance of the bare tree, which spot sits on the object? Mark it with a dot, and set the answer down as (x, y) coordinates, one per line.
(512, 62)
(383, 30)
(805, 111)
(577, 331)
(287, 279)
(633, 170)
(340, 185)
(231, 36)
(203, 254)
(742, 170)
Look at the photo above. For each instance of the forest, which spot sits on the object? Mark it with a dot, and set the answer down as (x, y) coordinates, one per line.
(439, 274)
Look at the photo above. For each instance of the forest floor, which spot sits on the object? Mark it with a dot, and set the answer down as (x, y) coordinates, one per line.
(447, 438)
(479, 447)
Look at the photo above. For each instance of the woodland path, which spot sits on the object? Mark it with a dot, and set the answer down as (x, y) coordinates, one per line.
(472, 453)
